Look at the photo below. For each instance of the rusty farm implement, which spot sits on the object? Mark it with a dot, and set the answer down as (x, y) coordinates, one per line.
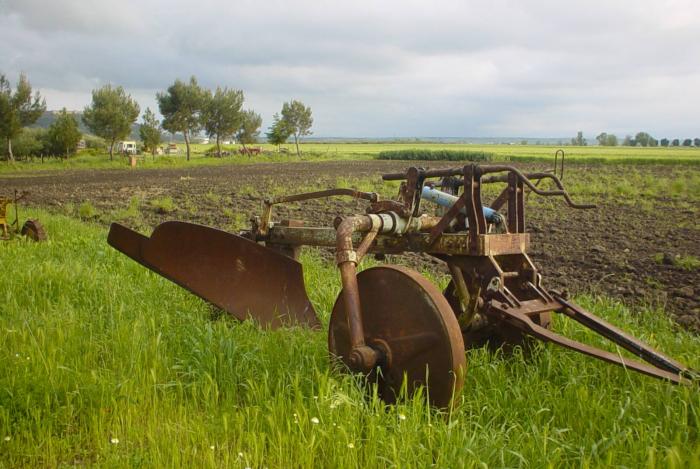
(31, 228)
(389, 322)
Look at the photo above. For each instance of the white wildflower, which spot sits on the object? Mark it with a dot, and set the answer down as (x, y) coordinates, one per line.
(7, 438)
(114, 441)
(240, 455)
(351, 445)
(315, 420)
(212, 447)
(402, 417)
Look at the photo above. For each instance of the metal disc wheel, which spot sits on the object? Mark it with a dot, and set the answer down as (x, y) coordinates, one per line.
(495, 335)
(408, 318)
(34, 230)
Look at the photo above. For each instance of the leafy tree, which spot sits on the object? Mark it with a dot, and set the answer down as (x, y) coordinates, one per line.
(150, 131)
(18, 110)
(696, 142)
(297, 119)
(64, 134)
(643, 139)
(606, 139)
(653, 142)
(181, 106)
(222, 115)
(664, 142)
(675, 142)
(111, 114)
(629, 141)
(687, 142)
(279, 131)
(31, 142)
(249, 129)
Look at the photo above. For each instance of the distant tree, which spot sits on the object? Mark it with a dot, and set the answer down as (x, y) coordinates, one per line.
(181, 106)
(675, 142)
(629, 141)
(249, 129)
(222, 115)
(664, 142)
(111, 114)
(279, 131)
(606, 139)
(298, 120)
(64, 134)
(696, 142)
(687, 142)
(653, 142)
(18, 110)
(642, 138)
(31, 142)
(150, 131)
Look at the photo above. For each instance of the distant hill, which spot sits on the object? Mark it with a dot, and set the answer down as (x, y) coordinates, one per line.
(48, 117)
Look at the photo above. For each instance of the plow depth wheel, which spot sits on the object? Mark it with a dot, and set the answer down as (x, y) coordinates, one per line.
(408, 318)
(34, 230)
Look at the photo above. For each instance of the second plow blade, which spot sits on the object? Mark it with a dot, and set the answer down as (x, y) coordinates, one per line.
(235, 274)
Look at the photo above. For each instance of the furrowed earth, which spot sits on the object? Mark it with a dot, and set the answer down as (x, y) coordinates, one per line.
(628, 248)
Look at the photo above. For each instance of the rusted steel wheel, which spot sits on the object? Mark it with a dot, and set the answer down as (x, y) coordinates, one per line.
(495, 335)
(408, 318)
(34, 230)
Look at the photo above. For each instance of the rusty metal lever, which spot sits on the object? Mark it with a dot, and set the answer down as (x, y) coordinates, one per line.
(520, 320)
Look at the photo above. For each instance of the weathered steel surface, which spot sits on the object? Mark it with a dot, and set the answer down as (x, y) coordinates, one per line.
(447, 243)
(410, 322)
(389, 322)
(231, 272)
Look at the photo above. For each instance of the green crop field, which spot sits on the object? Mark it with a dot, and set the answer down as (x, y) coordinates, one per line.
(363, 151)
(105, 364)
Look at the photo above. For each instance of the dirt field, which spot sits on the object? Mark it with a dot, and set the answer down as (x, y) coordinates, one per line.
(617, 250)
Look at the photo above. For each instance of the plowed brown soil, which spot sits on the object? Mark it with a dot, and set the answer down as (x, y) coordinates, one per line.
(610, 250)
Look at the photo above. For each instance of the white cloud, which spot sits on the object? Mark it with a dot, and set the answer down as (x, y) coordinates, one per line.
(388, 68)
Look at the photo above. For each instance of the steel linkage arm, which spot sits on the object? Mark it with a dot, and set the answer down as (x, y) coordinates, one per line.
(660, 366)
(264, 224)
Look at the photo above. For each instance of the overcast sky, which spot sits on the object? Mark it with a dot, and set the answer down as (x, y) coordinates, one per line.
(396, 68)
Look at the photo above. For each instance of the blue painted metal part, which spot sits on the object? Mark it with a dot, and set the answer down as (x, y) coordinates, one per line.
(447, 200)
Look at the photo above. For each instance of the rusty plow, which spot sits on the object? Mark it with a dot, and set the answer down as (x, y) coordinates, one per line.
(389, 322)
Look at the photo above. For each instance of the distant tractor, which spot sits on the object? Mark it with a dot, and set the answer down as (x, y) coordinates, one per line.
(250, 151)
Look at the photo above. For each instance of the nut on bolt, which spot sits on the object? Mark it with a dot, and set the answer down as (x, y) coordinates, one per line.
(363, 358)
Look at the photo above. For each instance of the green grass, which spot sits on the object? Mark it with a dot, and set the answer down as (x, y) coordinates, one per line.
(684, 261)
(163, 205)
(105, 364)
(361, 151)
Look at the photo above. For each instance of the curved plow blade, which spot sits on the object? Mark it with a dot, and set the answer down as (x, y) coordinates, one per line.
(235, 274)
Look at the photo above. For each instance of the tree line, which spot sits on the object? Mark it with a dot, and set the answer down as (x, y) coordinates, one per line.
(186, 107)
(641, 139)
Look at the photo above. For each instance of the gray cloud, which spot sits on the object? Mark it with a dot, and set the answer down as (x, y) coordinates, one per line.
(387, 68)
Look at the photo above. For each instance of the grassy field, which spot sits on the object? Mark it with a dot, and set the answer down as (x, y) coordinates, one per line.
(105, 364)
(358, 151)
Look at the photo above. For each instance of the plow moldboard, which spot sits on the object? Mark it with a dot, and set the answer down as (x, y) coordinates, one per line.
(233, 273)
